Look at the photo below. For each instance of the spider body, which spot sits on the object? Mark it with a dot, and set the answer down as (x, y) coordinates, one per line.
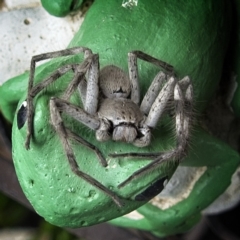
(112, 108)
(124, 117)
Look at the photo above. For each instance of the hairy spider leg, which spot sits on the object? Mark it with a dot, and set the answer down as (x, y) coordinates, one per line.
(133, 71)
(33, 91)
(152, 92)
(92, 88)
(65, 134)
(159, 105)
(92, 71)
(188, 106)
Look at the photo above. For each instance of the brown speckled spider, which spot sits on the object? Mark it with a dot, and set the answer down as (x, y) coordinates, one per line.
(111, 107)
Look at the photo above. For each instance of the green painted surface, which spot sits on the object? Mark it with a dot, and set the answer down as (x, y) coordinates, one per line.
(191, 36)
(61, 8)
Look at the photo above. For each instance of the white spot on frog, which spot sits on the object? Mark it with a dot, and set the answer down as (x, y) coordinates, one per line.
(129, 3)
(134, 215)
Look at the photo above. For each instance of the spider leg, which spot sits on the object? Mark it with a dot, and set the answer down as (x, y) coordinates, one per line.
(163, 157)
(133, 76)
(152, 92)
(92, 88)
(89, 91)
(33, 91)
(184, 83)
(183, 108)
(77, 113)
(89, 145)
(64, 135)
(92, 84)
(133, 71)
(82, 89)
(160, 103)
(67, 52)
(149, 156)
(188, 106)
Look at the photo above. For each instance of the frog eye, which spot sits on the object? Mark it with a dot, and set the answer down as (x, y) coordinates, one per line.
(22, 115)
(153, 190)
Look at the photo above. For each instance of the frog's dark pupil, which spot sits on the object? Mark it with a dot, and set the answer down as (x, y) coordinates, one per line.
(22, 115)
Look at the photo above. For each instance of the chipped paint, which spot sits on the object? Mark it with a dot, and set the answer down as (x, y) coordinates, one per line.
(229, 199)
(179, 187)
(129, 3)
(134, 215)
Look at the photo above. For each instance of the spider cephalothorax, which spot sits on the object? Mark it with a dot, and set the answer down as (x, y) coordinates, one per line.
(112, 107)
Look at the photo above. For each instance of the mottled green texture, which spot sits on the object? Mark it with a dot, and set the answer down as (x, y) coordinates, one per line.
(63, 198)
(190, 35)
(182, 216)
(61, 8)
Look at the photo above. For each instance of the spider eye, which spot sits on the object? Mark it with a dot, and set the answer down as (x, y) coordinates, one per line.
(22, 115)
(154, 189)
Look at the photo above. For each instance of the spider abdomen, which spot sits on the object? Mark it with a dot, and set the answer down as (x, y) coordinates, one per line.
(114, 82)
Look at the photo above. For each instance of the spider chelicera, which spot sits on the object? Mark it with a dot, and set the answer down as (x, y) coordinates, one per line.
(111, 107)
